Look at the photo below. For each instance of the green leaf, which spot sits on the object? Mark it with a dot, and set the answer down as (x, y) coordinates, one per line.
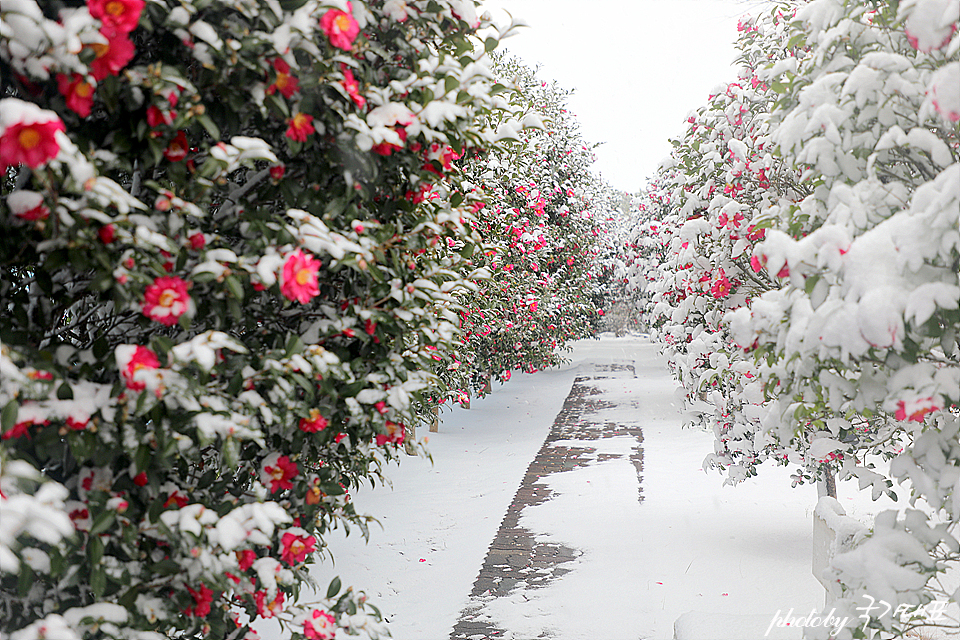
(235, 287)
(102, 522)
(210, 126)
(334, 587)
(156, 508)
(490, 44)
(26, 579)
(101, 348)
(8, 418)
(128, 598)
(331, 488)
(166, 567)
(142, 458)
(294, 345)
(98, 580)
(450, 84)
(95, 550)
(64, 392)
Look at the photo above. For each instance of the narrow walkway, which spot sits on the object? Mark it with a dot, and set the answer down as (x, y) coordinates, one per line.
(515, 559)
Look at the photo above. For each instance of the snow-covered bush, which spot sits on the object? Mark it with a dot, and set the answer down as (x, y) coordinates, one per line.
(831, 337)
(541, 232)
(224, 264)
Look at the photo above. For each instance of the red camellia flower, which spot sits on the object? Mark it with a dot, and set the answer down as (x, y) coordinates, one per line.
(142, 358)
(111, 57)
(352, 87)
(396, 433)
(157, 116)
(203, 597)
(30, 143)
(107, 233)
(268, 609)
(300, 277)
(277, 471)
(178, 148)
(176, 499)
(300, 126)
(141, 479)
(17, 430)
(119, 17)
(28, 205)
(296, 547)
(246, 558)
(285, 83)
(916, 410)
(314, 423)
(77, 91)
(322, 626)
(340, 27)
(166, 300)
(77, 424)
(721, 286)
(197, 241)
(277, 171)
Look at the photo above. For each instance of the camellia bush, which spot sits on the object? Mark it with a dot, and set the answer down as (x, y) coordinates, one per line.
(810, 302)
(541, 232)
(225, 265)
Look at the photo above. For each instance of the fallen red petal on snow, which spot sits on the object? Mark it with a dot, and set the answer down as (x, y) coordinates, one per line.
(424, 560)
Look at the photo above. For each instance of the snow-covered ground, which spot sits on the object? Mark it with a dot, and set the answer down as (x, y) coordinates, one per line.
(691, 545)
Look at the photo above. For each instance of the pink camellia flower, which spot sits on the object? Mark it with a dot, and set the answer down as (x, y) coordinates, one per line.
(111, 57)
(246, 558)
(77, 92)
(299, 127)
(295, 547)
(316, 422)
(285, 83)
(916, 409)
(27, 134)
(277, 471)
(166, 300)
(178, 148)
(27, 205)
(132, 359)
(268, 609)
(340, 27)
(320, 626)
(119, 17)
(202, 598)
(300, 277)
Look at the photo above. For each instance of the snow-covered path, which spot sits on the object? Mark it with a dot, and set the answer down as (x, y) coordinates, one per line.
(691, 544)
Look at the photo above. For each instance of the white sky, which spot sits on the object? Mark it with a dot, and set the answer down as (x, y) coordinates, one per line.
(637, 67)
